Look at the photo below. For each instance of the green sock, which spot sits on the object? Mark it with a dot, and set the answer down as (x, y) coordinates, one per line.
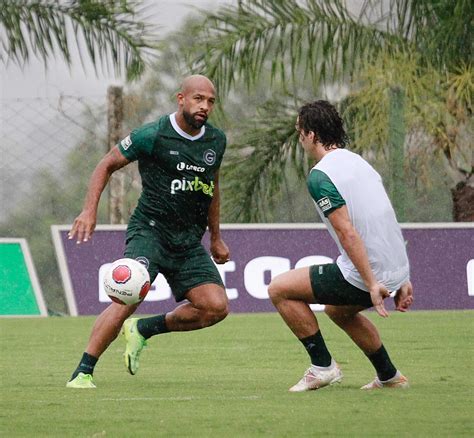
(152, 326)
(317, 350)
(86, 365)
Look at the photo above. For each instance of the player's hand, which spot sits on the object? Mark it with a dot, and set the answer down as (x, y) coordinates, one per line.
(83, 227)
(378, 293)
(219, 251)
(404, 297)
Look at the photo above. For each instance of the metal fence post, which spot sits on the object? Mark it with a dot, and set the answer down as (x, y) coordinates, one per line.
(396, 144)
(114, 133)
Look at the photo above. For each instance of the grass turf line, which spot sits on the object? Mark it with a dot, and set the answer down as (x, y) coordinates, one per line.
(232, 380)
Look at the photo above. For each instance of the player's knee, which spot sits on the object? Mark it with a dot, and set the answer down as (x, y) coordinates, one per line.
(216, 312)
(275, 289)
(121, 312)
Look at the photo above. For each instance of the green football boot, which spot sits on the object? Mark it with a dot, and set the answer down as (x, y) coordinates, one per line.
(135, 343)
(81, 381)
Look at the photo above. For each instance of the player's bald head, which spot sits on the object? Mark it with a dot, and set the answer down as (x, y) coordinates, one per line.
(197, 82)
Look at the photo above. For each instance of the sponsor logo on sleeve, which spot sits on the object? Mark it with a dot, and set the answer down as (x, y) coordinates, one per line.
(126, 142)
(324, 203)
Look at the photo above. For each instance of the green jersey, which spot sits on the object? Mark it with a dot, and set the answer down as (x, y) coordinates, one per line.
(178, 173)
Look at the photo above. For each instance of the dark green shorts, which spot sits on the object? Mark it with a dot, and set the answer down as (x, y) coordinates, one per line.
(330, 287)
(183, 269)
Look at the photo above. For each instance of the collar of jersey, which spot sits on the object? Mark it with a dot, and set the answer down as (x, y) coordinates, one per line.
(176, 127)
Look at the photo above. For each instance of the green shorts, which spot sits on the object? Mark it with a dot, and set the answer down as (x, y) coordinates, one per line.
(330, 287)
(183, 269)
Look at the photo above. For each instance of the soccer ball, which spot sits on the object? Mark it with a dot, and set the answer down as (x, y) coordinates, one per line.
(126, 281)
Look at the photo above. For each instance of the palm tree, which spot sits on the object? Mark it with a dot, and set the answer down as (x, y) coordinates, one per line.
(302, 48)
(111, 33)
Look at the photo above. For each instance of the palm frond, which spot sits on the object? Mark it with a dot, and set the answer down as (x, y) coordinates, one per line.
(255, 163)
(113, 33)
(322, 37)
(461, 87)
(441, 30)
(437, 112)
(367, 107)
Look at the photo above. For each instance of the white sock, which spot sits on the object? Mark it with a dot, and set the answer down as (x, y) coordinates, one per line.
(395, 377)
(330, 367)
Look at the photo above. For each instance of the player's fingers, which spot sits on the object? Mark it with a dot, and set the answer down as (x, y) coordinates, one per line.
(404, 304)
(220, 256)
(79, 234)
(221, 260)
(88, 232)
(73, 230)
(83, 232)
(380, 308)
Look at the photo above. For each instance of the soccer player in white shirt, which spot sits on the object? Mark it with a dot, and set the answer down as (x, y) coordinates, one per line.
(351, 200)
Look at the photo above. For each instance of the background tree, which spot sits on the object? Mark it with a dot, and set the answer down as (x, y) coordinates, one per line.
(113, 33)
(309, 48)
(257, 124)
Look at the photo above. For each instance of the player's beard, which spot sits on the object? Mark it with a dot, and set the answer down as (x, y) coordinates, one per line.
(191, 121)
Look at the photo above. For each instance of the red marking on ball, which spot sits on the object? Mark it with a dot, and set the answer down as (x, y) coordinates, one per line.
(121, 274)
(144, 290)
(116, 300)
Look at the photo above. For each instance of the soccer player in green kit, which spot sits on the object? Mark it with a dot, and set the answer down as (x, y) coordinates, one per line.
(178, 157)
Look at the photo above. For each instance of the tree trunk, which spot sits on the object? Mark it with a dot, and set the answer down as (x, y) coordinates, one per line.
(463, 202)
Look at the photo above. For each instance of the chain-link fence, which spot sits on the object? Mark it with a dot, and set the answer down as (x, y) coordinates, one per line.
(40, 136)
(37, 135)
(48, 148)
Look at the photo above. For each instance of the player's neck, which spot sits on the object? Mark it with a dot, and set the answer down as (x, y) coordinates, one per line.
(320, 151)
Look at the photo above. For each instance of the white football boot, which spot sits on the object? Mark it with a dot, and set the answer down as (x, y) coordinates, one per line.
(397, 381)
(318, 377)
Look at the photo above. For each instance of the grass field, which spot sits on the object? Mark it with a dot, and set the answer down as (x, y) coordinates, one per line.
(232, 380)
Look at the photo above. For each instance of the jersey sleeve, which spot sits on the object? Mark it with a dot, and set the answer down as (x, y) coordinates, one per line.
(223, 143)
(324, 192)
(139, 143)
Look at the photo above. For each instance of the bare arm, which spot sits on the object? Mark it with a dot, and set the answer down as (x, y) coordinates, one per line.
(219, 250)
(84, 224)
(355, 249)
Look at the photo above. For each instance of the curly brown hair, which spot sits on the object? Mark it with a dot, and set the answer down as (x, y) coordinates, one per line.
(323, 119)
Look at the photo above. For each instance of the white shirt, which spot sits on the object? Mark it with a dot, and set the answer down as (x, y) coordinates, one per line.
(373, 217)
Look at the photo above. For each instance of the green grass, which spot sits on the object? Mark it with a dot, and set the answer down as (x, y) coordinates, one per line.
(232, 380)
